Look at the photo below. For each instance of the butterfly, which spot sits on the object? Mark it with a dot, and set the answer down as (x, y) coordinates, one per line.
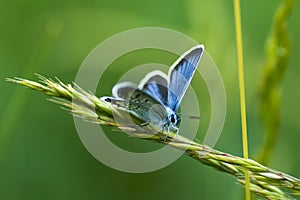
(157, 97)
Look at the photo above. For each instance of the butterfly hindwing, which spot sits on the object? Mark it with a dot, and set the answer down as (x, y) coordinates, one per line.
(180, 75)
(124, 90)
(137, 101)
(147, 107)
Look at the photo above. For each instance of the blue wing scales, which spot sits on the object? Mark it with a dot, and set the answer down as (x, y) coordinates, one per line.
(180, 75)
(156, 85)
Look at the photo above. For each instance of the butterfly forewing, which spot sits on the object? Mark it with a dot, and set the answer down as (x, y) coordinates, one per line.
(180, 75)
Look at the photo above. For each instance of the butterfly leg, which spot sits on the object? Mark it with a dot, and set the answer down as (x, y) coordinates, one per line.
(167, 128)
(162, 133)
(176, 133)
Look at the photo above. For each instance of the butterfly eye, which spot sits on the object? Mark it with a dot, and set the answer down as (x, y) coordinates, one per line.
(172, 118)
(107, 100)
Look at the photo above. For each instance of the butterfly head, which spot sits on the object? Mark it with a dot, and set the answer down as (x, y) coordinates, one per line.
(173, 120)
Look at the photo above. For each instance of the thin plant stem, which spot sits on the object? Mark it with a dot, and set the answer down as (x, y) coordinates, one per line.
(239, 43)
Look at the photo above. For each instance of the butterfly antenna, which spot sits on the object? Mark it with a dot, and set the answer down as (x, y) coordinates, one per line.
(190, 116)
(194, 117)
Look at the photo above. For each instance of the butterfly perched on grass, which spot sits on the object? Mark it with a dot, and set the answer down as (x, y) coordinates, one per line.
(157, 98)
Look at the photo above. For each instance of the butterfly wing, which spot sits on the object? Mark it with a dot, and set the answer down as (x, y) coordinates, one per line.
(156, 85)
(129, 116)
(180, 75)
(124, 90)
(138, 102)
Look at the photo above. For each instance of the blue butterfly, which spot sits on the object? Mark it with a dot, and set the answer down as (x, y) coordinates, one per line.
(157, 98)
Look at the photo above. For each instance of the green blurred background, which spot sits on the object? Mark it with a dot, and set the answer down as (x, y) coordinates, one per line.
(41, 155)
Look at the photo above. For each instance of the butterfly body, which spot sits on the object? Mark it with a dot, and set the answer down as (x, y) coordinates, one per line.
(158, 96)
